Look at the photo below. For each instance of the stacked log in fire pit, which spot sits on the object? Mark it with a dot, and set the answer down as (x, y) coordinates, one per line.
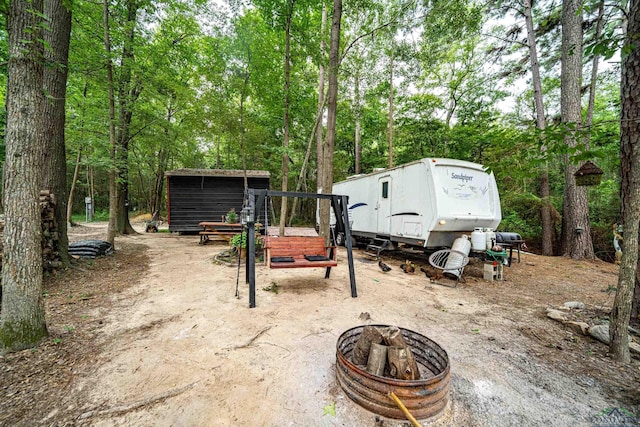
(385, 353)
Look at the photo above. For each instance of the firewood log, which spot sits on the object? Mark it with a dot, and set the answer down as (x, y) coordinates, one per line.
(370, 334)
(393, 338)
(377, 359)
(402, 364)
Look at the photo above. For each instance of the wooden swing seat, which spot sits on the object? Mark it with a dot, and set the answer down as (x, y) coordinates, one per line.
(299, 252)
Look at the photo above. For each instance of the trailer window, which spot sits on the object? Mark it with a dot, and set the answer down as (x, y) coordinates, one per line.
(385, 190)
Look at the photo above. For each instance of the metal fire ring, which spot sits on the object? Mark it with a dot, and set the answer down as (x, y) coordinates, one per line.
(424, 398)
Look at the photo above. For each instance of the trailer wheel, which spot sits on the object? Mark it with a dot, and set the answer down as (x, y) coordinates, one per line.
(341, 240)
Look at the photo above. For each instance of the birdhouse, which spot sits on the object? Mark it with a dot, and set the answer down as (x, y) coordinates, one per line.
(588, 174)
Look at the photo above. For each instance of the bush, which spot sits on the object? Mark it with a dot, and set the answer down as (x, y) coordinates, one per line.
(240, 240)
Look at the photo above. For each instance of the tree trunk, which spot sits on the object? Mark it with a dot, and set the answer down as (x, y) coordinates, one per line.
(54, 166)
(92, 190)
(23, 316)
(76, 170)
(161, 167)
(594, 75)
(287, 103)
(74, 180)
(543, 176)
(113, 196)
(305, 164)
(158, 186)
(578, 244)
(243, 97)
(630, 188)
(321, 78)
(332, 107)
(127, 95)
(358, 112)
(391, 109)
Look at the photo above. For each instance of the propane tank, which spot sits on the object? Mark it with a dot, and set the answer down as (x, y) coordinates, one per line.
(490, 236)
(478, 240)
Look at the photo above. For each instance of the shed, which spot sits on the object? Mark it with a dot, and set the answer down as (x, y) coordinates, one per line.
(195, 195)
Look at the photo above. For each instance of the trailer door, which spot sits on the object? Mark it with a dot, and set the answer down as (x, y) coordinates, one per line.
(384, 205)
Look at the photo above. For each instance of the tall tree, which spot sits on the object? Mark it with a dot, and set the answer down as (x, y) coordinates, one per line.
(545, 207)
(128, 92)
(321, 82)
(23, 317)
(76, 169)
(357, 113)
(332, 107)
(54, 170)
(113, 194)
(594, 72)
(390, 127)
(630, 185)
(577, 228)
(287, 108)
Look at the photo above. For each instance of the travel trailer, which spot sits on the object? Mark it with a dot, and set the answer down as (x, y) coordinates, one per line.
(427, 203)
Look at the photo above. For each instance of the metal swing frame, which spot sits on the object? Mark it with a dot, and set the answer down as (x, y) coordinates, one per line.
(255, 201)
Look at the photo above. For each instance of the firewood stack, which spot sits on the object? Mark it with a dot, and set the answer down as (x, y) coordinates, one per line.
(50, 235)
(383, 351)
(1, 239)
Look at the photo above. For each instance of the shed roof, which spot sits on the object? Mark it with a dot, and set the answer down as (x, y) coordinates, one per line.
(233, 173)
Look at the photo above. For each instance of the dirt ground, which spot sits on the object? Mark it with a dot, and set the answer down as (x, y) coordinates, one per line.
(154, 335)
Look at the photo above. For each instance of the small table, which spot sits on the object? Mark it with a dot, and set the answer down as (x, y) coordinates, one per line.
(224, 230)
(510, 245)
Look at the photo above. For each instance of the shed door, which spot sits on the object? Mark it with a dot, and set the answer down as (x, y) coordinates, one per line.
(384, 205)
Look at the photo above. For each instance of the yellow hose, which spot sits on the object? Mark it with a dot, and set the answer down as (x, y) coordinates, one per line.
(404, 410)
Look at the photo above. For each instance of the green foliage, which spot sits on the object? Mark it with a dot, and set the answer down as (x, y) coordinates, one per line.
(212, 87)
(240, 241)
(520, 214)
(99, 215)
(232, 216)
(329, 409)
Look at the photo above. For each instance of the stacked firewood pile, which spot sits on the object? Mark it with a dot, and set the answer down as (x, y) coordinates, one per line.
(1, 239)
(50, 234)
(383, 351)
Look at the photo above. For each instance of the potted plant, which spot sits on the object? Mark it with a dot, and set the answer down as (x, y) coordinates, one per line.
(232, 216)
(239, 241)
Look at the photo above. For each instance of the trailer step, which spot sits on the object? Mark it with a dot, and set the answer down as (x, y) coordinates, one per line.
(376, 246)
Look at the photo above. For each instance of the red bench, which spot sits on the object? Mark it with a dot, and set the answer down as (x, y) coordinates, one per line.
(299, 252)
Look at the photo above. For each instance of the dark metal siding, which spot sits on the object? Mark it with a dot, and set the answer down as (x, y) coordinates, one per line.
(205, 198)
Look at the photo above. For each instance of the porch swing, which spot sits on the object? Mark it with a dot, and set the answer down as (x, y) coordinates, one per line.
(294, 251)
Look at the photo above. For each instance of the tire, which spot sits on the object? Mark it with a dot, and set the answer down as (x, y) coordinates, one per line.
(340, 240)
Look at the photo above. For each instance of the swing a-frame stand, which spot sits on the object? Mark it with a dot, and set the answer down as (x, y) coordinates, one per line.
(304, 252)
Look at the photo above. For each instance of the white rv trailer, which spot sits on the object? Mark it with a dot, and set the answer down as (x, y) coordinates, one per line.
(428, 202)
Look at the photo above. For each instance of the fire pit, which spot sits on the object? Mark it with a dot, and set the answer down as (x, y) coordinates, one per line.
(424, 398)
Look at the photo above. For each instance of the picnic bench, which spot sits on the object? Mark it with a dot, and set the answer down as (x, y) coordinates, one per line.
(223, 230)
(299, 252)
